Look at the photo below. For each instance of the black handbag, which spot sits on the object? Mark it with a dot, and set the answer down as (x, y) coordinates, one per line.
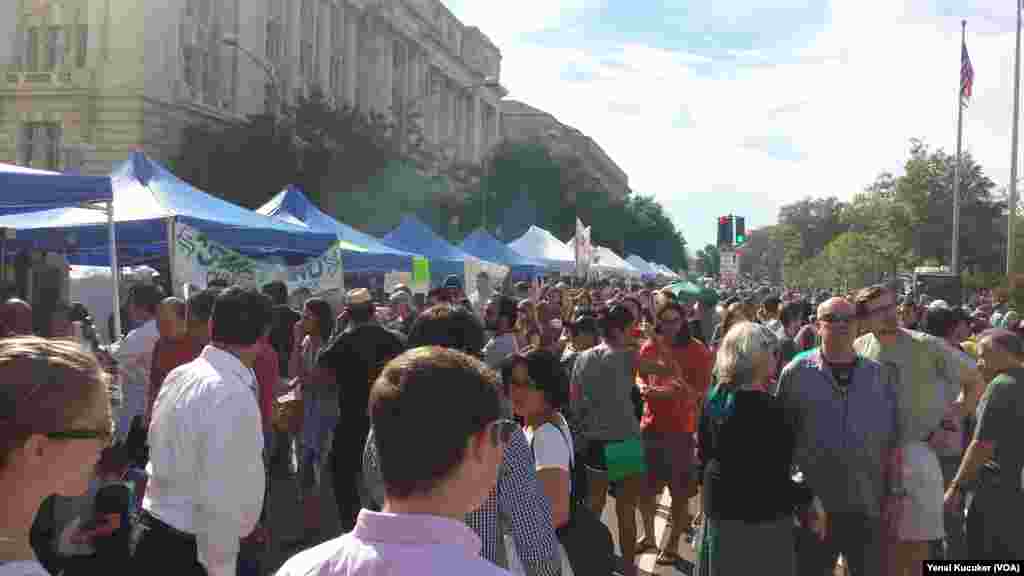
(586, 539)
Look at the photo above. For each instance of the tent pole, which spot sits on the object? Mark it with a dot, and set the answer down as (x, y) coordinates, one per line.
(171, 240)
(115, 273)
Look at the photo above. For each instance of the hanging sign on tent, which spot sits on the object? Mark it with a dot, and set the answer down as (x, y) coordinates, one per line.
(199, 260)
(420, 274)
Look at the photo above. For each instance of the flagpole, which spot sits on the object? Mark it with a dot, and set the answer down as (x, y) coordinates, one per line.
(959, 142)
(1010, 224)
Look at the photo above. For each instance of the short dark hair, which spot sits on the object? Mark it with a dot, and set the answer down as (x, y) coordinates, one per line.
(240, 316)
(546, 372)
(361, 313)
(507, 308)
(792, 312)
(324, 316)
(939, 322)
(618, 317)
(200, 305)
(277, 291)
(771, 303)
(425, 405)
(449, 327)
(146, 296)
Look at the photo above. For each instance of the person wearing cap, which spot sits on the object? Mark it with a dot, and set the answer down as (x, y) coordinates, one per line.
(453, 286)
(352, 362)
(401, 304)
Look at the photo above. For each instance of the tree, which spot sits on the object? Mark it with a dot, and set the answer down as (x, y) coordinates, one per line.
(526, 185)
(762, 254)
(326, 150)
(709, 261)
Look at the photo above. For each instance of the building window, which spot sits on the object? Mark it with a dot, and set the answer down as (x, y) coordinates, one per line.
(307, 36)
(83, 45)
(55, 47)
(40, 145)
(273, 47)
(32, 49)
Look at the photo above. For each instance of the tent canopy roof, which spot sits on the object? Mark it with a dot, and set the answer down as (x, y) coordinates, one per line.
(412, 234)
(361, 251)
(539, 244)
(29, 190)
(145, 195)
(484, 246)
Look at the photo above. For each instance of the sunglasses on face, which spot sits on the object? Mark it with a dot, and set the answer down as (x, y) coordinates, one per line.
(105, 435)
(836, 318)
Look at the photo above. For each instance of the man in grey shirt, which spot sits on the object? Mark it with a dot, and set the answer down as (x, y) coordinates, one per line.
(845, 422)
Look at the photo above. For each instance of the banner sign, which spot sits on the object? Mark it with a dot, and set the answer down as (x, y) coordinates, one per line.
(199, 260)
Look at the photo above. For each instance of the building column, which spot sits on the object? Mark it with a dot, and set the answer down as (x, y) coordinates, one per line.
(385, 68)
(433, 108)
(290, 76)
(351, 58)
(323, 46)
(476, 131)
(367, 60)
(497, 124)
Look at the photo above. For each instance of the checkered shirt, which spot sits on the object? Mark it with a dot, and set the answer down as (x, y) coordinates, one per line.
(517, 499)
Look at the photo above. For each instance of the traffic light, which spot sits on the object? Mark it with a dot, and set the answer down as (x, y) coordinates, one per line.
(725, 230)
(741, 230)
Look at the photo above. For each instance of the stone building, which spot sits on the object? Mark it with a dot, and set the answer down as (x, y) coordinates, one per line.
(523, 123)
(84, 82)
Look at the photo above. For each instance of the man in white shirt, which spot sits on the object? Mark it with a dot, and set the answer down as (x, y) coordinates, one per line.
(431, 480)
(134, 356)
(206, 474)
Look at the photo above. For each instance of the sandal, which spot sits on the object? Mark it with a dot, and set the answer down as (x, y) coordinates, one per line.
(668, 558)
(643, 546)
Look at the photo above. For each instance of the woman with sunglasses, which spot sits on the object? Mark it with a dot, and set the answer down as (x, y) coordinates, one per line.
(55, 420)
(670, 421)
(538, 389)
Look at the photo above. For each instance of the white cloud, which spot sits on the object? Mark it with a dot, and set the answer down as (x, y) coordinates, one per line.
(878, 74)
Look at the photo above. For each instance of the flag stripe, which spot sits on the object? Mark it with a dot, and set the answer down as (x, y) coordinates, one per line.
(966, 75)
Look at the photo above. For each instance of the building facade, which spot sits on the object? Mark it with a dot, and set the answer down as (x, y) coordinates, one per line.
(85, 82)
(523, 123)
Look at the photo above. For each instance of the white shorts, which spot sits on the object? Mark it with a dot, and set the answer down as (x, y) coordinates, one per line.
(922, 518)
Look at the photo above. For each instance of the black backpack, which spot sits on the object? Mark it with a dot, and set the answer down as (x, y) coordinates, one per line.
(586, 539)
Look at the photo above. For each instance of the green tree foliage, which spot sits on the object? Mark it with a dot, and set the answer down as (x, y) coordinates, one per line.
(709, 261)
(895, 224)
(324, 149)
(526, 185)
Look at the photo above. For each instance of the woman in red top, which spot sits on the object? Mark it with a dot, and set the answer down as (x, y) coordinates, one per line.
(670, 420)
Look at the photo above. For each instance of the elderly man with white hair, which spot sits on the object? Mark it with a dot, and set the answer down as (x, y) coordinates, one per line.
(845, 419)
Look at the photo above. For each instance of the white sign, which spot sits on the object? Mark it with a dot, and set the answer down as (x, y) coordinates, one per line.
(199, 260)
(729, 265)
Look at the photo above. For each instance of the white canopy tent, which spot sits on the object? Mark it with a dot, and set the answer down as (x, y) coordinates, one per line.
(541, 245)
(642, 265)
(608, 262)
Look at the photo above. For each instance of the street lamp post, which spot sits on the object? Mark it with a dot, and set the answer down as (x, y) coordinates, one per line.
(275, 83)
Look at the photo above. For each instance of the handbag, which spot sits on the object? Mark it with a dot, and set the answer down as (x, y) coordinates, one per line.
(587, 542)
(625, 459)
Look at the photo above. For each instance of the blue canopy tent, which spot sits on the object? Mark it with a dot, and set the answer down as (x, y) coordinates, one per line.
(26, 190)
(413, 235)
(486, 247)
(148, 199)
(360, 252)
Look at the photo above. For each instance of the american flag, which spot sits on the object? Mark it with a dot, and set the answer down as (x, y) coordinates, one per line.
(966, 76)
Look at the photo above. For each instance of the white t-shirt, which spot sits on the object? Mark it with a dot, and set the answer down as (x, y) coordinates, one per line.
(551, 448)
(23, 568)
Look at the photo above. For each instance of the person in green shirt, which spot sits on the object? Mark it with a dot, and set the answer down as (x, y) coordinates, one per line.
(994, 459)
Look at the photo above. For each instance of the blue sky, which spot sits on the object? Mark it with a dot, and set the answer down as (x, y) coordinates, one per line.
(745, 105)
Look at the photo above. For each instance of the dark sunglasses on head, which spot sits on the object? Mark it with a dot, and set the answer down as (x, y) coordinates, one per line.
(502, 430)
(836, 318)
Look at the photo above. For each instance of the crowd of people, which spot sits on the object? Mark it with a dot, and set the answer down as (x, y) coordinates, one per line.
(485, 433)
